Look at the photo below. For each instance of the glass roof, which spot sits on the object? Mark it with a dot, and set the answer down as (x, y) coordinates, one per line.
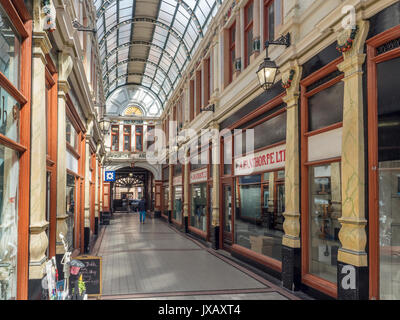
(177, 27)
(130, 97)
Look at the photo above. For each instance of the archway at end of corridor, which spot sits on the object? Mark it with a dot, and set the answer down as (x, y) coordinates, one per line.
(131, 184)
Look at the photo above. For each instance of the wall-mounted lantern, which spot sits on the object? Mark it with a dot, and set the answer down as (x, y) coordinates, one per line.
(268, 69)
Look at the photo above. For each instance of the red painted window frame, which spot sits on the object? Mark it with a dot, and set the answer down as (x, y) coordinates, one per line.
(247, 29)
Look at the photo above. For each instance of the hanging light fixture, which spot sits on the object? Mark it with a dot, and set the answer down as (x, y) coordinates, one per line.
(268, 69)
(105, 125)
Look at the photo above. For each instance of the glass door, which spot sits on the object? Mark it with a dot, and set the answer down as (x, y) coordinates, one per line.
(227, 214)
(389, 178)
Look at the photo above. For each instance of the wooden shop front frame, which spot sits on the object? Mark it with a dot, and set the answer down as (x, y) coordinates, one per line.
(373, 59)
(22, 21)
(309, 279)
(208, 181)
(227, 240)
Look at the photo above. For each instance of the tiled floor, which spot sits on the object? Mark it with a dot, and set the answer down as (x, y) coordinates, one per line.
(153, 261)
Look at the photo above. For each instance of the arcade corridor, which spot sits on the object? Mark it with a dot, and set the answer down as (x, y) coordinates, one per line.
(140, 262)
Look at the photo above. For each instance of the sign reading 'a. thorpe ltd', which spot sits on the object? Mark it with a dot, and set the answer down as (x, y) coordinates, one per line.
(198, 176)
(269, 159)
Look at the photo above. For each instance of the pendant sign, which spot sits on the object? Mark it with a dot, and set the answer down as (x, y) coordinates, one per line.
(269, 159)
(109, 176)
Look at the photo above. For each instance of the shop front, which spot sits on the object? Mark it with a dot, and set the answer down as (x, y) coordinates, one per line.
(15, 121)
(165, 192)
(383, 58)
(259, 192)
(322, 94)
(177, 196)
(199, 205)
(252, 190)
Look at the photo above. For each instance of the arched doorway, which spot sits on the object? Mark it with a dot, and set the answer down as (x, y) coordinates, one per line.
(131, 184)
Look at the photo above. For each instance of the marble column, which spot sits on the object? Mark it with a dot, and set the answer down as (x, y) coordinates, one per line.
(38, 241)
(291, 256)
(65, 64)
(353, 237)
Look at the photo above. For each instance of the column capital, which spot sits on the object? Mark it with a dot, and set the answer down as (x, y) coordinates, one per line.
(41, 45)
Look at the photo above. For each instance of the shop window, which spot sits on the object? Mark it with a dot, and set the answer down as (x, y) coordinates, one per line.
(115, 138)
(260, 204)
(166, 200)
(9, 126)
(272, 18)
(127, 138)
(227, 161)
(198, 212)
(177, 169)
(177, 207)
(202, 160)
(71, 135)
(319, 115)
(276, 128)
(10, 50)
(139, 138)
(325, 208)
(227, 208)
(71, 209)
(248, 32)
(9, 171)
(150, 136)
(388, 112)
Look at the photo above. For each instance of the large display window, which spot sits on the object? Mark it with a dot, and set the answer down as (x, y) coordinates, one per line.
(198, 212)
(260, 203)
(177, 204)
(15, 95)
(321, 203)
(384, 164)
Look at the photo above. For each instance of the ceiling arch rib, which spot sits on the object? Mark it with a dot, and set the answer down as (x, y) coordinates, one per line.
(116, 65)
(107, 3)
(161, 34)
(136, 74)
(146, 20)
(133, 95)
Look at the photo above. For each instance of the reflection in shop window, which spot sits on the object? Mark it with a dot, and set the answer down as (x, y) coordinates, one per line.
(260, 204)
(10, 50)
(70, 194)
(198, 216)
(178, 199)
(9, 172)
(325, 210)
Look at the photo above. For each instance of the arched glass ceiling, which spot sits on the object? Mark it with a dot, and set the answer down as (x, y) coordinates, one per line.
(149, 42)
(128, 97)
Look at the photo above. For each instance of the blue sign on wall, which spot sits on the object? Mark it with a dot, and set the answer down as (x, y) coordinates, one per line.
(109, 176)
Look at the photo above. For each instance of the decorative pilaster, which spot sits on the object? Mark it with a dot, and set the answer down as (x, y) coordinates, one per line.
(170, 187)
(65, 64)
(186, 190)
(215, 228)
(352, 235)
(215, 66)
(38, 225)
(291, 270)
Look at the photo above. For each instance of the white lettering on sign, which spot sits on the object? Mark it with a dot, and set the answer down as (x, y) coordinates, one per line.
(269, 159)
(177, 181)
(198, 176)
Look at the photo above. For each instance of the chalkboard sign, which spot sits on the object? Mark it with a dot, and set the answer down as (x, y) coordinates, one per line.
(91, 274)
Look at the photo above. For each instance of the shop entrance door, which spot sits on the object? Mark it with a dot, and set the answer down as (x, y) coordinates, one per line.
(227, 216)
(384, 166)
